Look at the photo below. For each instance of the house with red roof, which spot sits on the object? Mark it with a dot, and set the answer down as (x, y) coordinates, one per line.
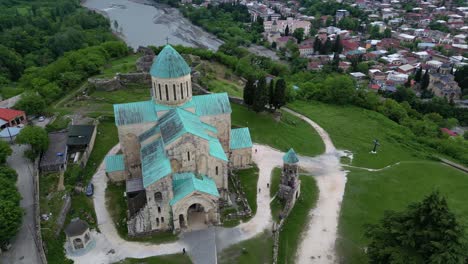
(11, 117)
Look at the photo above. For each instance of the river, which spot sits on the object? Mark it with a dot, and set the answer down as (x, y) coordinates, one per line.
(143, 23)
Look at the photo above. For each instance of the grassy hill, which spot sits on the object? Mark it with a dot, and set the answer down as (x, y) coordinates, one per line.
(411, 176)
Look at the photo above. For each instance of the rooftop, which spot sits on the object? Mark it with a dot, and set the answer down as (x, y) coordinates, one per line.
(169, 64)
(115, 163)
(79, 134)
(9, 114)
(240, 138)
(290, 157)
(57, 151)
(185, 184)
(76, 227)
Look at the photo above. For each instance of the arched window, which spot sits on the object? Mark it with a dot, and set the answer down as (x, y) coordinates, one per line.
(158, 196)
(167, 93)
(159, 209)
(188, 155)
(175, 94)
(162, 219)
(157, 221)
(160, 94)
(181, 91)
(216, 170)
(186, 87)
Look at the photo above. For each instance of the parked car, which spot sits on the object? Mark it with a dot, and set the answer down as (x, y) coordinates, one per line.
(90, 189)
(41, 119)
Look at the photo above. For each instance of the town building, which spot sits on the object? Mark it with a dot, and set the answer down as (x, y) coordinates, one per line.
(177, 151)
(290, 23)
(11, 117)
(444, 85)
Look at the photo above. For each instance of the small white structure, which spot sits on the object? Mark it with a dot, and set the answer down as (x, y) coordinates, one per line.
(78, 235)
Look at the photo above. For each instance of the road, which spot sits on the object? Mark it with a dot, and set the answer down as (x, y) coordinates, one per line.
(23, 248)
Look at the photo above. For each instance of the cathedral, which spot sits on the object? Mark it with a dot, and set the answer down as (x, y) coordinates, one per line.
(177, 151)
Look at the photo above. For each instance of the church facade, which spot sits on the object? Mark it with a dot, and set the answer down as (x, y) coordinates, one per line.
(177, 151)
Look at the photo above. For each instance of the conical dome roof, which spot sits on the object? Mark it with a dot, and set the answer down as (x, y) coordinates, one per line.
(169, 64)
(290, 157)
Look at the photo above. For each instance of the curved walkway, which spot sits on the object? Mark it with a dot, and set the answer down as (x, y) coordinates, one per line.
(318, 241)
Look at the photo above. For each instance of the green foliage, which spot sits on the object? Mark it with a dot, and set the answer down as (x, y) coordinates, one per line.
(31, 103)
(227, 21)
(393, 110)
(34, 35)
(260, 97)
(333, 88)
(426, 232)
(249, 92)
(348, 23)
(425, 80)
(461, 77)
(255, 250)
(279, 98)
(248, 179)
(5, 151)
(299, 34)
(10, 210)
(36, 137)
(371, 193)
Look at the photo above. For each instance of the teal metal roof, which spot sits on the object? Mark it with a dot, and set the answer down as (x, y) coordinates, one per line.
(115, 163)
(169, 64)
(210, 127)
(216, 149)
(149, 133)
(240, 138)
(177, 122)
(290, 157)
(134, 113)
(184, 184)
(154, 163)
(211, 104)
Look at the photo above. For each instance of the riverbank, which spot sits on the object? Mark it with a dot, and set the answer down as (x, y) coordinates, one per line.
(144, 23)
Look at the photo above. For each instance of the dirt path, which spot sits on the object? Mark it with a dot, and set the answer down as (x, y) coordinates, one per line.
(318, 241)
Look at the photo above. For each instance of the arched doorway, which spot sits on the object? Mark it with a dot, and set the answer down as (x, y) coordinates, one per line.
(196, 216)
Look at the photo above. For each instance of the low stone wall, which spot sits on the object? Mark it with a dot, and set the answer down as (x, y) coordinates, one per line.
(10, 102)
(120, 81)
(63, 214)
(37, 211)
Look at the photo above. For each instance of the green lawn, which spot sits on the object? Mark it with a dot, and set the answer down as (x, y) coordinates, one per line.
(276, 205)
(353, 128)
(369, 194)
(59, 123)
(256, 250)
(296, 222)
(167, 259)
(249, 179)
(221, 86)
(117, 206)
(289, 132)
(122, 65)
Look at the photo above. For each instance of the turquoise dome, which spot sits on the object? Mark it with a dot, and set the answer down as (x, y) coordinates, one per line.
(169, 64)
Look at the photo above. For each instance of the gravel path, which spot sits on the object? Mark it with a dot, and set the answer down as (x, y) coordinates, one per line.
(318, 242)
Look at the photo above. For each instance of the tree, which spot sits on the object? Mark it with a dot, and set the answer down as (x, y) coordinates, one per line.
(31, 103)
(249, 92)
(393, 110)
(317, 44)
(36, 137)
(10, 220)
(286, 30)
(5, 151)
(271, 94)
(425, 80)
(426, 232)
(387, 33)
(261, 95)
(280, 94)
(418, 75)
(338, 47)
(299, 34)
